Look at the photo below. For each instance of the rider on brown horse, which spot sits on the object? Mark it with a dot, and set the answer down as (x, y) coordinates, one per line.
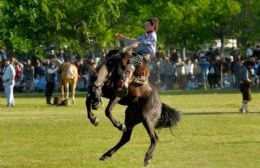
(144, 48)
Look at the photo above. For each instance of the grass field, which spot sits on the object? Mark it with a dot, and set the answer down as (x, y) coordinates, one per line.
(211, 134)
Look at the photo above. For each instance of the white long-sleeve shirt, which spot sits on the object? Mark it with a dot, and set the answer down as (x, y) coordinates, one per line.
(9, 73)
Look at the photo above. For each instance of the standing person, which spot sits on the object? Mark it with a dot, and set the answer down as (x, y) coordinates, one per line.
(213, 75)
(8, 81)
(145, 47)
(28, 76)
(50, 79)
(256, 52)
(180, 73)
(245, 86)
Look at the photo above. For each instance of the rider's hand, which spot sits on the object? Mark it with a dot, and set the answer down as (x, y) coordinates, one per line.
(119, 36)
(123, 49)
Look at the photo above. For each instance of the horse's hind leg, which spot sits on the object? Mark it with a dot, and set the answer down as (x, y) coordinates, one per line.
(67, 90)
(73, 91)
(108, 111)
(149, 126)
(124, 139)
(62, 91)
(131, 119)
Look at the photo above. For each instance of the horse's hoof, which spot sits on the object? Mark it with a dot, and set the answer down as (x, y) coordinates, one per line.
(96, 122)
(147, 160)
(103, 158)
(123, 128)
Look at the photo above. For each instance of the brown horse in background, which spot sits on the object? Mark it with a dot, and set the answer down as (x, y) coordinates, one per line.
(69, 76)
(142, 101)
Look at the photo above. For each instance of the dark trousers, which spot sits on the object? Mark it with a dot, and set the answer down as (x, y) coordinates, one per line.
(245, 89)
(212, 80)
(49, 91)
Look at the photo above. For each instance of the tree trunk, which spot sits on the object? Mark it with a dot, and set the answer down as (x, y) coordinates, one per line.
(222, 55)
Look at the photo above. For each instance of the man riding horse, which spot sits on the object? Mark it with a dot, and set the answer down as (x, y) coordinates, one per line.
(144, 48)
(141, 98)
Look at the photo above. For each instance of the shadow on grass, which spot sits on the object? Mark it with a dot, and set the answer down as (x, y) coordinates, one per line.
(168, 92)
(240, 142)
(4, 106)
(219, 113)
(204, 92)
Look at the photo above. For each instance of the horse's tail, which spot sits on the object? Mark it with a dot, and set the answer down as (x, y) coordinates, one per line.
(169, 117)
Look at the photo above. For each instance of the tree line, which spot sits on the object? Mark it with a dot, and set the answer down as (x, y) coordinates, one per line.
(29, 26)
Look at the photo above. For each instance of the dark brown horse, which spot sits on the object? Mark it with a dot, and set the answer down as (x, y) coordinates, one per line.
(143, 106)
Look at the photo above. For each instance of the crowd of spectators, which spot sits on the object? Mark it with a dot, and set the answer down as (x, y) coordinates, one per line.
(31, 73)
(204, 70)
(201, 70)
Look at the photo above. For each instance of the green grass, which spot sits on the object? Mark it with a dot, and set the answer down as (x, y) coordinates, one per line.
(211, 134)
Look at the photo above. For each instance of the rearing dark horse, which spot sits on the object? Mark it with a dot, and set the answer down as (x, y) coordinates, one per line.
(143, 105)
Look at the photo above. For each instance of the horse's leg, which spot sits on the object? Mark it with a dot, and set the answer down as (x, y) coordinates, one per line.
(67, 90)
(124, 139)
(108, 111)
(149, 126)
(62, 91)
(91, 116)
(74, 84)
(130, 122)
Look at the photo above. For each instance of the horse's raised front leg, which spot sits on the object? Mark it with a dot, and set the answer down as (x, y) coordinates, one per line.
(149, 126)
(111, 104)
(91, 116)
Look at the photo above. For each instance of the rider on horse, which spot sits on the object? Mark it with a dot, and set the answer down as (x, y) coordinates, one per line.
(144, 48)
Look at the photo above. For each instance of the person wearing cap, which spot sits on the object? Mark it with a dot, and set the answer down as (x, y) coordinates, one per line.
(245, 85)
(8, 81)
(50, 79)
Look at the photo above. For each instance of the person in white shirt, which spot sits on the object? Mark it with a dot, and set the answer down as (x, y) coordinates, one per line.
(8, 81)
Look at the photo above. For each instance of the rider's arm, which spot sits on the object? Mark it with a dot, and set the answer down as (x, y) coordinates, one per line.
(126, 40)
(131, 46)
